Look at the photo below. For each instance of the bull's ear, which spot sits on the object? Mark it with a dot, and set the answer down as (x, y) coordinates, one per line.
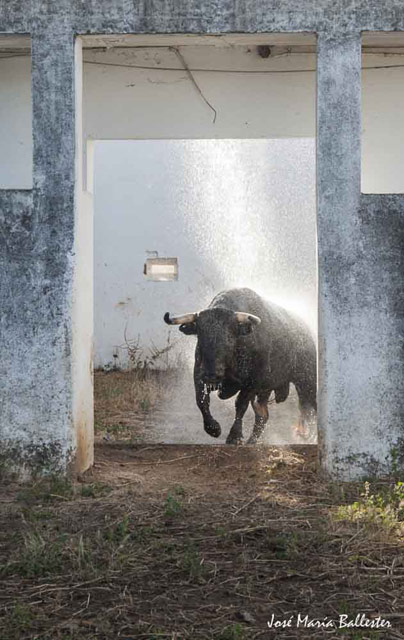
(188, 329)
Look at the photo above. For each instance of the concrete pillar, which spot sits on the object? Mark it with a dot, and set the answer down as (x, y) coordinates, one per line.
(40, 416)
(359, 408)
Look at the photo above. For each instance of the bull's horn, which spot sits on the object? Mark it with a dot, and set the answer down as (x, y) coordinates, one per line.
(242, 317)
(185, 319)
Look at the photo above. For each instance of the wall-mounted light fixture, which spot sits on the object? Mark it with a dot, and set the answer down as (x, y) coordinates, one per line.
(160, 269)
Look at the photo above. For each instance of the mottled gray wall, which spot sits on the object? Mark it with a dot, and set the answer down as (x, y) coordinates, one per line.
(202, 16)
(361, 329)
(37, 247)
(360, 240)
(367, 436)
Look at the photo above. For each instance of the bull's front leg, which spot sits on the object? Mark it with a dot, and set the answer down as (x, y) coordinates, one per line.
(236, 432)
(260, 406)
(211, 426)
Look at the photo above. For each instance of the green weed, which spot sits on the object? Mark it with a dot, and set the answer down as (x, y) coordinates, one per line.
(38, 557)
(95, 490)
(18, 620)
(193, 563)
(231, 632)
(120, 532)
(172, 507)
(384, 509)
(284, 545)
(49, 489)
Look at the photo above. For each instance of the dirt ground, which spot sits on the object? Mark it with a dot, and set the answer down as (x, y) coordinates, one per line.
(199, 542)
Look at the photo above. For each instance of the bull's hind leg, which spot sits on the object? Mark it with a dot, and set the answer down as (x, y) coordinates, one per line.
(211, 426)
(260, 406)
(307, 407)
(236, 432)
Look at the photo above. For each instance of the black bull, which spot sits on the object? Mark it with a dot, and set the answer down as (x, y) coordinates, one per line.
(254, 347)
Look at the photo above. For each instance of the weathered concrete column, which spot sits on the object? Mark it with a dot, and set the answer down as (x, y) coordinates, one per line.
(39, 417)
(359, 429)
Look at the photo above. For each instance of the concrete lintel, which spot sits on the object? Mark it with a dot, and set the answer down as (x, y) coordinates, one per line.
(206, 17)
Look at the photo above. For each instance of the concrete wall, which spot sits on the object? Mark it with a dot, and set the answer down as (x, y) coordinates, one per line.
(37, 237)
(39, 231)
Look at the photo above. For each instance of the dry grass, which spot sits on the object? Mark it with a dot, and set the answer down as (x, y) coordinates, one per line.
(198, 543)
(122, 398)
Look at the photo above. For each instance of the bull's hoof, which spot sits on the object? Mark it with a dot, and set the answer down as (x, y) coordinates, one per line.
(237, 440)
(252, 440)
(302, 431)
(213, 429)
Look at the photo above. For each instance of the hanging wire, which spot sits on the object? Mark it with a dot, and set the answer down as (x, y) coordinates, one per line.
(199, 70)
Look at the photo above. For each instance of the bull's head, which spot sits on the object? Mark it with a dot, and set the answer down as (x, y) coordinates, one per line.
(218, 330)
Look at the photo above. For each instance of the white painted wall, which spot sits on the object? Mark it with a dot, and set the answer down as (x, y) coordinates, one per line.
(383, 125)
(126, 102)
(15, 124)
